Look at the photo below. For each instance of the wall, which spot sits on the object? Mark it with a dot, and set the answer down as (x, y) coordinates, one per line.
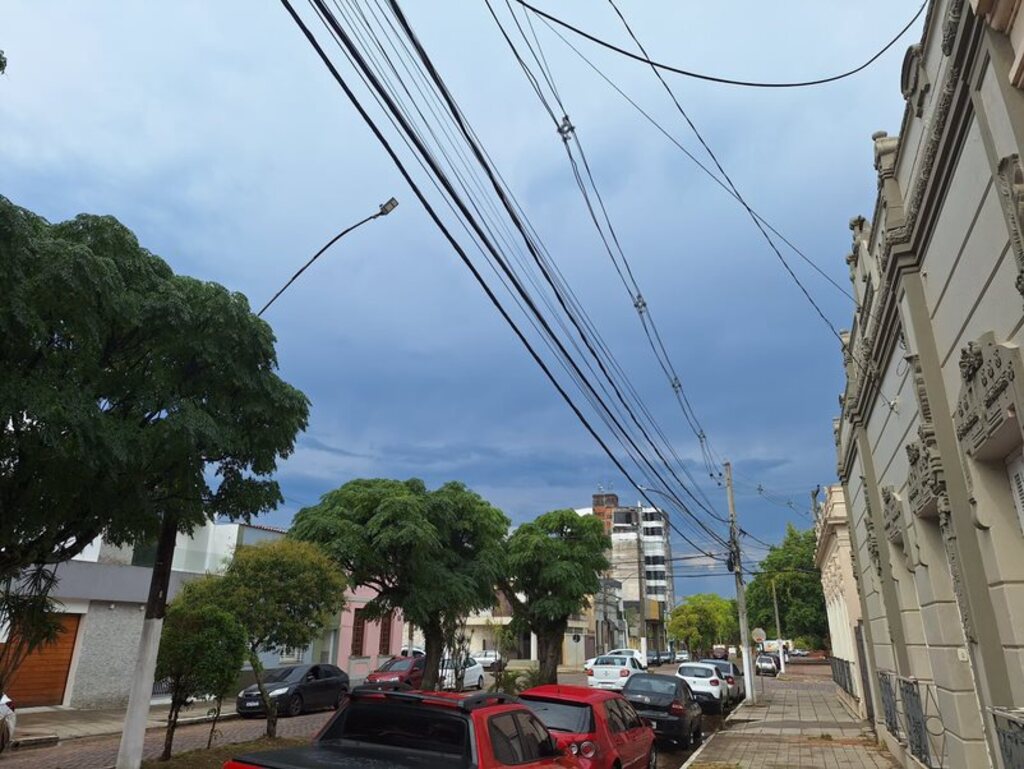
(108, 642)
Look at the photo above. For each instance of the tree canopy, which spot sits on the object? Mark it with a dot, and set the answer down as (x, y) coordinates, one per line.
(798, 584)
(554, 566)
(435, 555)
(704, 619)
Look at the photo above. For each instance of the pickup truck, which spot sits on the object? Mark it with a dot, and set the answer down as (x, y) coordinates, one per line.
(396, 729)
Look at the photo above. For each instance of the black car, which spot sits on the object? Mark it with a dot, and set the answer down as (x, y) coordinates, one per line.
(296, 689)
(667, 703)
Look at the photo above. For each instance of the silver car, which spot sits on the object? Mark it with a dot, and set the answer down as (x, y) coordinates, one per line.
(733, 677)
(8, 719)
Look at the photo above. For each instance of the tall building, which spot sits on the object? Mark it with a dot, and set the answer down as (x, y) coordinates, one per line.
(641, 559)
(930, 436)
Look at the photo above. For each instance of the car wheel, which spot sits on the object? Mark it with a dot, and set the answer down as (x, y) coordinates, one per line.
(5, 737)
(652, 757)
(480, 683)
(341, 697)
(697, 738)
(295, 705)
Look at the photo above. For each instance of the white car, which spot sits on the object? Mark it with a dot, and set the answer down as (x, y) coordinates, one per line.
(733, 677)
(489, 658)
(707, 685)
(612, 672)
(416, 652)
(682, 656)
(8, 718)
(641, 658)
(472, 677)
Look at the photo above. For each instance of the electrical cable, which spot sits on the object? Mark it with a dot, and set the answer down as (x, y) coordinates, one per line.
(724, 80)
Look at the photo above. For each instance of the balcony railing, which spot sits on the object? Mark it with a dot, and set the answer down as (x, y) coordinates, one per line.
(887, 691)
(912, 717)
(1010, 733)
(842, 674)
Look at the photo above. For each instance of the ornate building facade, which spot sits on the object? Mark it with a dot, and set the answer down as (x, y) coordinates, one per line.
(929, 443)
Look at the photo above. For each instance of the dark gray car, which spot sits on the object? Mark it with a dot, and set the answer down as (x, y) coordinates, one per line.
(295, 690)
(667, 703)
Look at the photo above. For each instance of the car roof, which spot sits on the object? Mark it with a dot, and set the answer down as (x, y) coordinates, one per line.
(698, 665)
(569, 693)
(662, 676)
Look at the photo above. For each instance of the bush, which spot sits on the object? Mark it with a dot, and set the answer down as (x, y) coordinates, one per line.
(507, 681)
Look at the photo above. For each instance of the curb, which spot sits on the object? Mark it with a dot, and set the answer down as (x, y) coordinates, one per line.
(47, 740)
(707, 740)
(38, 741)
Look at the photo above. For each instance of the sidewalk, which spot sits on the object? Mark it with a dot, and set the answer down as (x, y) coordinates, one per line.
(799, 722)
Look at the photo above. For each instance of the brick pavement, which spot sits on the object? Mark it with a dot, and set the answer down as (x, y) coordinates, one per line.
(101, 752)
(800, 722)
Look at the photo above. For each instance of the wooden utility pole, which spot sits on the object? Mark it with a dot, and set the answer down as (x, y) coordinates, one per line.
(778, 630)
(741, 593)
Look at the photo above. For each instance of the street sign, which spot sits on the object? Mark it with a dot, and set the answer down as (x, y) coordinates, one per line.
(758, 635)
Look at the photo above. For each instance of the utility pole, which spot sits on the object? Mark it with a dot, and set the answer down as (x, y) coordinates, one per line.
(641, 587)
(778, 630)
(741, 593)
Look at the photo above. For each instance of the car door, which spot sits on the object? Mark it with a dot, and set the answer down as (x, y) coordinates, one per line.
(415, 678)
(619, 727)
(638, 735)
(472, 674)
(517, 740)
(334, 683)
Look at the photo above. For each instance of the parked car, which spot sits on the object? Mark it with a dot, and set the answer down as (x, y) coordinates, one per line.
(422, 730)
(707, 685)
(799, 653)
(765, 665)
(489, 658)
(295, 690)
(400, 670)
(472, 674)
(682, 655)
(733, 676)
(732, 652)
(8, 720)
(599, 727)
(641, 658)
(668, 705)
(612, 672)
(414, 652)
(720, 652)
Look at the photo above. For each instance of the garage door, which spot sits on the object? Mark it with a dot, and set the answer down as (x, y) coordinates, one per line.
(41, 678)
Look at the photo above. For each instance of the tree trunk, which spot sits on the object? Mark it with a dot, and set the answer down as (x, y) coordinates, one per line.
(433, 639)
(213, 724)
(268, 704)
(172, 724)
(129, 754)
(549, 649)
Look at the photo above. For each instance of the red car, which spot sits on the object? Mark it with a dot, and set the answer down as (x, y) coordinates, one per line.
(597, 725)
(400, 670)
(423, 730)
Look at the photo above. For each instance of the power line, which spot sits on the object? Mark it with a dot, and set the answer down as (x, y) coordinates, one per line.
(724, 80)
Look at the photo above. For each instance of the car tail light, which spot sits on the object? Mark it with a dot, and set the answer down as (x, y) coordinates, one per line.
(238, 765)
(589, 672)
(714, 682)
(677, 709)
(624, 673)
(730, 680)
(587, 749)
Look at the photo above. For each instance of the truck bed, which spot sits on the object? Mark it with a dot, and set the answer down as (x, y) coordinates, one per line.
(348, 755)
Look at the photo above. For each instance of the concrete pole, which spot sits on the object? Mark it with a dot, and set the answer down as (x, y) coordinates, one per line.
(641, 587)
(778, 630)
(741, 593)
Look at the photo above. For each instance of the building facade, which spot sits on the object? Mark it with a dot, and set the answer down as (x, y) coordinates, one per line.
(929, 443)
(834, 559)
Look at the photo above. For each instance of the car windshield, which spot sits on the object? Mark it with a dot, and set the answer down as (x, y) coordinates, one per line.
(558, 716)
(397, 664)
(610, 661)
(695, 671)
(402, 726)
(652, 684)
(284, 675)
(449, 664)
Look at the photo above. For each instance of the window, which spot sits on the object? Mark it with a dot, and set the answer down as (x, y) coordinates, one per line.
(651, 574)
(1015, 470)
(508, 749)
(358, 632)
(384, 647)
(573, 717)
(290, 655)
(401, 726)
(629, 716)
(655, 516)
(616, 723)
(535, 738)
(653, 531)
(656, 590)
(654, 560)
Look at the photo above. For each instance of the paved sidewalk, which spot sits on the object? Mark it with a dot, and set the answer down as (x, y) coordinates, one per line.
(799, 722)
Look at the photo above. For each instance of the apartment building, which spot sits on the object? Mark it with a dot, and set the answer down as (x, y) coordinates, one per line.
(930, 436)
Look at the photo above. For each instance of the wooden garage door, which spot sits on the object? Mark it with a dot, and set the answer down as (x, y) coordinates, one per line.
(41, 678)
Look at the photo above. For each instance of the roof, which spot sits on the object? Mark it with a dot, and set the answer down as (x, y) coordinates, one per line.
(265, 527)
(569, 693)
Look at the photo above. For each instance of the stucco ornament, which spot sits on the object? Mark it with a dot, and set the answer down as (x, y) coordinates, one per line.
(986, 411)
(1010, 180)
(914, 81)
(892, 515)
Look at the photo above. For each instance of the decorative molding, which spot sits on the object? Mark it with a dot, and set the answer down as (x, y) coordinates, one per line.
(914, 82)
(1010, 181)
(892, 515)
(926, 478)
(956, 572)
(872, 538)
(951, 25)
(986, 412)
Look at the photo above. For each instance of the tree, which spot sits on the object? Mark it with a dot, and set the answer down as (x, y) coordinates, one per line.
(135, 403)
(283, 593)
(798, 584)
(554, 566)
(435, 555)
(3, 63)
(702, 620)
(201, 651)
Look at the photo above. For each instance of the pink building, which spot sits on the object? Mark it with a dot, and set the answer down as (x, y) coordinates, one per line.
(364, 645)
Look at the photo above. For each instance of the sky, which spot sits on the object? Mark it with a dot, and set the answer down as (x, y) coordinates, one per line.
(214, 132)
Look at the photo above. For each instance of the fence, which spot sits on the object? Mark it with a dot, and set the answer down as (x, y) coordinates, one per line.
(842, 674)
(912, 717)
(1010, 733)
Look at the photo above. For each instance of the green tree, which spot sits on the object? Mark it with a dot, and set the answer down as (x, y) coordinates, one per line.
(201, 651)
(282, 593)
(3, 63)
(135, 403)
(798, 584)
(554, 566)
(702, 620)
(436, 555)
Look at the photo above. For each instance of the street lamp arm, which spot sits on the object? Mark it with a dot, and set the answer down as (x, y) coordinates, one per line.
(385, 209)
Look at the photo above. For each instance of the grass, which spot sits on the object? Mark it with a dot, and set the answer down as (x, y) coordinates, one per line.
(215, 757)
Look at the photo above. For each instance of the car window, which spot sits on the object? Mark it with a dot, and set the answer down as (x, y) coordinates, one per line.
(629, 715)
(616, 723)
(653, 684)
(561, 716)
(397, 664)
(508, 749)
(402, 726)
(633, 663)
(312, 674)
(611, 661)
(535, 738)
(470, 662)
(694, 671)
(687, 692)
(419, 663)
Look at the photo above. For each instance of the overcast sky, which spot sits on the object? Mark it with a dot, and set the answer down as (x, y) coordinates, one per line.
(214, 132)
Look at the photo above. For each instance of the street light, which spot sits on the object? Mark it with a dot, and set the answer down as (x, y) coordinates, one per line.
(385, 209)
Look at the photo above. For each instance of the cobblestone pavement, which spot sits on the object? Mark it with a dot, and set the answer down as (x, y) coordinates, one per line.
(799, 722)
(101, 752)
